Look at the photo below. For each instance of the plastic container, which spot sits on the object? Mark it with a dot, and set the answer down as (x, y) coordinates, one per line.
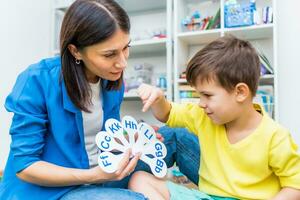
(239, 13)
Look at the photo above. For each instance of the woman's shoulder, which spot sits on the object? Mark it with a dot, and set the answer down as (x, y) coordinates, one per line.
(46, 64)
(45, 73)
(45, 69)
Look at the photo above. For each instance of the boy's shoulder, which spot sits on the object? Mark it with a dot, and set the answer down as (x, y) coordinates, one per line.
(274, 131)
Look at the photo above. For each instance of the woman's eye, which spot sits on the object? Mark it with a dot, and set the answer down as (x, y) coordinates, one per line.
(109, 55)
(127, 47)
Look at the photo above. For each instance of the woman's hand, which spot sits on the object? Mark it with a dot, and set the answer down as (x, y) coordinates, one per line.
(126, 167)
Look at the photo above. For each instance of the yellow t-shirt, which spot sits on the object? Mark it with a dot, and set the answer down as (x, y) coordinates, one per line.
(256, 167)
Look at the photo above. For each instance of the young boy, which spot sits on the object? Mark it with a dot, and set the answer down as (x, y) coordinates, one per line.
(244, 153)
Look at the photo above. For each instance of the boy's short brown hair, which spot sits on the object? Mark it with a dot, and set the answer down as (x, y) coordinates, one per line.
(227, 60)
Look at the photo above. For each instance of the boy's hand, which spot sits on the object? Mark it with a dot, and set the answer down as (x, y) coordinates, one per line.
(158, 135)
(149, 95)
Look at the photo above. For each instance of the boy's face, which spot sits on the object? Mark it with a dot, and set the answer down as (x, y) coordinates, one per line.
(219, 104)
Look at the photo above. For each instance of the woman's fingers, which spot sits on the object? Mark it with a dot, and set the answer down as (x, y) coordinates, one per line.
(131, 166)
(124, 162)
(127, 165)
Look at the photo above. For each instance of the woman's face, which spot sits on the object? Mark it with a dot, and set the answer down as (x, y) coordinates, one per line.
(106, 59)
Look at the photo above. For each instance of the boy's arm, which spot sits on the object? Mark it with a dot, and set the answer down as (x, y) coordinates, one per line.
(284, 159)
(287, 193)
(154, 97)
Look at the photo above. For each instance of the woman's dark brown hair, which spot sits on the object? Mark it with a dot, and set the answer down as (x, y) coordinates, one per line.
(227, 60)
(88, 22)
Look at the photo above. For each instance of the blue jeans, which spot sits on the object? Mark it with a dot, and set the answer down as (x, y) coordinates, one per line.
(182, 147)
(98, 192)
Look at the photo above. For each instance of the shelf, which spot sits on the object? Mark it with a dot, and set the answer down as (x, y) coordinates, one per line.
(199, 37)
(181, 80)
(148, 46)
(251, 32)
(132, 6)
(190, 100)
(130, 97)
(133, 96)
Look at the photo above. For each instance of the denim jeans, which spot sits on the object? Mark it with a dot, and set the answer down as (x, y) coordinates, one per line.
(98, 192)
(183, 149)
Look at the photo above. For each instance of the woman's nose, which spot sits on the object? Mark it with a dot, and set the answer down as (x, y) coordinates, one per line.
(122, 62)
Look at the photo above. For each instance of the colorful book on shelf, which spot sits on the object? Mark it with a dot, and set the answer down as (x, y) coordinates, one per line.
(267, 14)
(265, 97)
(188, 94)
(215, 22)
(266, 67)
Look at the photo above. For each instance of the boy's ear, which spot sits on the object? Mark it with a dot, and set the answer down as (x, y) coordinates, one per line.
(74, 51)
(242, 92)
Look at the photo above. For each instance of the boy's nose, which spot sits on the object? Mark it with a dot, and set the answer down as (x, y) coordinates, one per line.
(202, 104)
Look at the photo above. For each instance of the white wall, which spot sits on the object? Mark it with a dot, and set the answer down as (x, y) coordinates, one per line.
(24, 39)
(288, 16)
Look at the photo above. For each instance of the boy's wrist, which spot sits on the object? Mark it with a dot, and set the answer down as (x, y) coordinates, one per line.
(160, 100)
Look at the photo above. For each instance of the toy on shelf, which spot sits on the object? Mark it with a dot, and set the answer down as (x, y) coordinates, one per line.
(142, 73)
(195, 22)
(239, 14)
(140, 137)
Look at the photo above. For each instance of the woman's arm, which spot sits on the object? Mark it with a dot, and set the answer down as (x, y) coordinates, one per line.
(287, 193)
(50, 175)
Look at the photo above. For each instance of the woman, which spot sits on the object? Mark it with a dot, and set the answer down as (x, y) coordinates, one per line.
(59, 105)
(56, 102)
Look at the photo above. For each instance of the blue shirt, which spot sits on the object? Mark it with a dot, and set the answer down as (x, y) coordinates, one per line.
(46, 126)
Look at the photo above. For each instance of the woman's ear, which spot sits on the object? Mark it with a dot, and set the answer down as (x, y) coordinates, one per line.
(242, 92)
(74, 51)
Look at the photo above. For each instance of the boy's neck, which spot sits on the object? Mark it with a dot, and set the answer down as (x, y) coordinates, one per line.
(243, 125)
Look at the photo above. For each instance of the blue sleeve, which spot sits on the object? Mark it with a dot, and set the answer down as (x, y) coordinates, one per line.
(29, 123)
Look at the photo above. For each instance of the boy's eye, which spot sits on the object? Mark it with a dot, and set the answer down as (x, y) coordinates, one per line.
(206, 95)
